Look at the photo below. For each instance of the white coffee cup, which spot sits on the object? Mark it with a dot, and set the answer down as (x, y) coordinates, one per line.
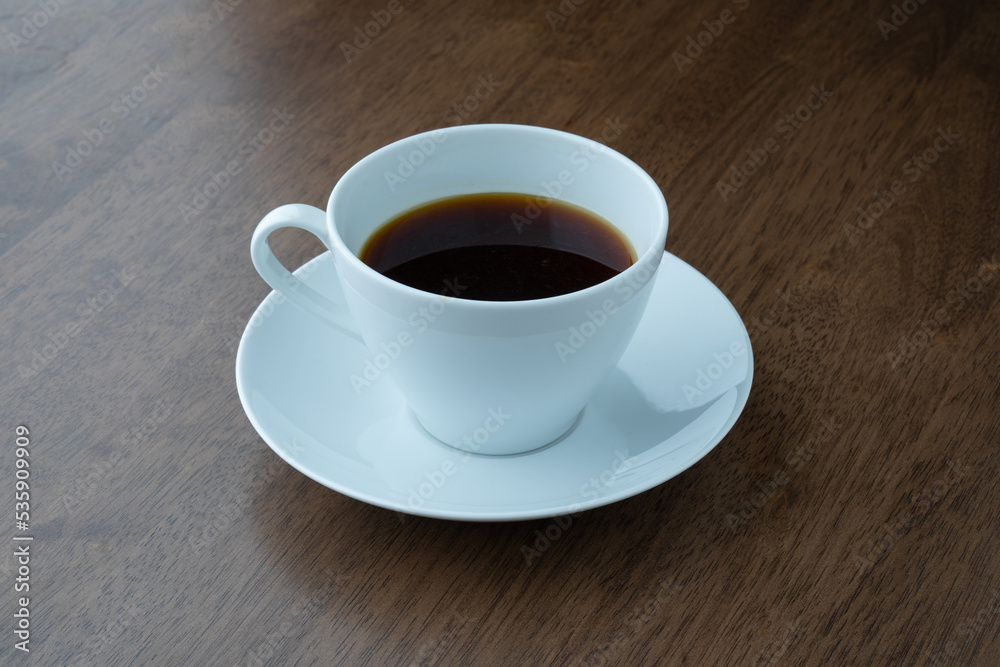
(490, 377)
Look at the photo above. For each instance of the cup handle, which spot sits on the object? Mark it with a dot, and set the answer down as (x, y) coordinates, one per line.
(312, 220)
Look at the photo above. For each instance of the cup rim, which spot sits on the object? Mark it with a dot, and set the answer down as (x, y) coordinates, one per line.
(652, 254)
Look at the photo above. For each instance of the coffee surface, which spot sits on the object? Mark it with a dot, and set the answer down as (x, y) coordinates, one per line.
(498, 247)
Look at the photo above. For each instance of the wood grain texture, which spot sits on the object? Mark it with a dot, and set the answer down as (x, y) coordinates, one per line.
(848, 518)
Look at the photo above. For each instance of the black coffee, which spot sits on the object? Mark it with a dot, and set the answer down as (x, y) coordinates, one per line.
(498, 247)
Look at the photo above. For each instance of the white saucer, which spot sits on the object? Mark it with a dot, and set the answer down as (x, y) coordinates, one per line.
(677, 391)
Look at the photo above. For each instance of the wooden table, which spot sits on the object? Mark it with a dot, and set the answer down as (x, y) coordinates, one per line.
(833, 168)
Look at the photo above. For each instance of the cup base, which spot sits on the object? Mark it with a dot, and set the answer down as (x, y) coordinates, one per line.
(492, 449)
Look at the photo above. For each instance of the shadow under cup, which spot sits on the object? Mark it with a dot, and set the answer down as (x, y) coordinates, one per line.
(496, 377)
